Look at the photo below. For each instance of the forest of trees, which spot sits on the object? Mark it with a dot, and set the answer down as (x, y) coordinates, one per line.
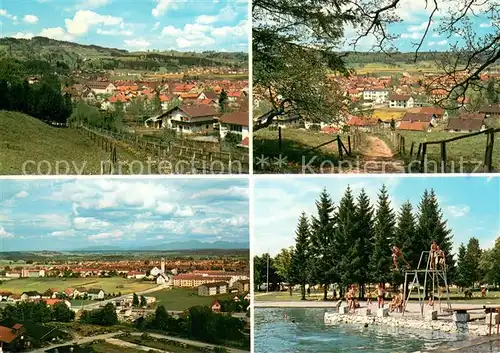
(42, 100)
(37, 312)
(350, 243)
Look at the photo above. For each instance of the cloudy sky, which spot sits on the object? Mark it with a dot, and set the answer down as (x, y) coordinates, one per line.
(74, 214)
(186, 25)
(471, 204)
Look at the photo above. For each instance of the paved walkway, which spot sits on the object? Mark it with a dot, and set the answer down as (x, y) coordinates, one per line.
(78, 341)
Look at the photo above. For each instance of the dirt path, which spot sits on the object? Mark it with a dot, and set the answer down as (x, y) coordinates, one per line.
(378, 157)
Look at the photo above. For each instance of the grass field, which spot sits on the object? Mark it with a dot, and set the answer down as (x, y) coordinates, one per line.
(295, 146)
(24, 138)
(162, 345)
(109, 285)
(179, 299)
(471, 149)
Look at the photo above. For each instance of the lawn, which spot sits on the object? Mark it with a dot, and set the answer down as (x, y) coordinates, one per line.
(161, 344)
(296, 144)
(25, 139)
(471, 149)
(96, 347)
(180, 299)
(109, 285)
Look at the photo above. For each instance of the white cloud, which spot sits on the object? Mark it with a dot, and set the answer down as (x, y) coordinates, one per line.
(185, 212)
(21, 194)
(413, 35)
(435, 35)
(165, 208)
(63, 233)
(137, 43)
(157, 25)
(458, 211)
(30, 19)
(114, 32)
(441, 42)
(240, 30)
(164, 5)
(85, 19)
(205, 19)
(115, 234)
(4, 13)
(486, 25)
(232, 191)
(57, 33)
(53, 220)
(140, 226)
(89, 223)
(23, 35)
(420, 27)
(5, 234)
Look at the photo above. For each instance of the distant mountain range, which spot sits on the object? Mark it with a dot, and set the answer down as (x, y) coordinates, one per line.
(173, 246)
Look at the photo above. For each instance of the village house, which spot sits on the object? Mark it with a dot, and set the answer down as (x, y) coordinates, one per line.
(439, 114)
(418, 117)
(188, 280)
(52, 302)
(490, 110)
(362, 123)
(30, 295)
(235, 123)
(415, 126)
(210, 95)
(32, 273)
(4, 296)
(211, 289)
(101, 87)
(378, 95)
(136, 274)
(242, 285)
(215, 306)
(400, 101)
(12, 337)
(190, 119)
(465, 125)
(95, 294)
(50, 293)
(13, 274)
(69, 292)
(79, 292)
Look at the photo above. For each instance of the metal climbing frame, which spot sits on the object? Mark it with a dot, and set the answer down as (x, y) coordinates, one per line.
(430, 274)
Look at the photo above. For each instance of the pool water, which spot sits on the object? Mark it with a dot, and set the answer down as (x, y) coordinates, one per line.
(308, 334)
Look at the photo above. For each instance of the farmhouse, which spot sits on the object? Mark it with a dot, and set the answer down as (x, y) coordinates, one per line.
(210, 289)
(465, 125)
(31, 295)
(362, 123)
(4, 296)
(439, 113)
(101, 87)
(490, 110)
(50, 293)
(79, 292)
(11, 337)
(95, 294)
(208, 95)
(190, 119)
(419, 117)
(400, 101)
(52, 302)
(235, 123)
(415, 126)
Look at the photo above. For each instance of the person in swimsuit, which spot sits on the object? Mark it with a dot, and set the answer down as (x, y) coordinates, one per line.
(398, 254)
(380, 295)
(441, 256)
(432, 254)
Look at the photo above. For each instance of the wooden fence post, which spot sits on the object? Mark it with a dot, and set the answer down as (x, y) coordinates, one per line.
(488, 155)
(349, 143)
(422, 160)
(279, 137)
(411, 148)
(419, 150)
(443, 157)
(339, 144)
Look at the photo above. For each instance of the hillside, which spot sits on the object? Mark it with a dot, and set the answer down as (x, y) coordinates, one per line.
(24, 138)
(79, 56)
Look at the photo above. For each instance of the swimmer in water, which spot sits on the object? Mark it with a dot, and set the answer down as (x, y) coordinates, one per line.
(285, 316)
(293, 320)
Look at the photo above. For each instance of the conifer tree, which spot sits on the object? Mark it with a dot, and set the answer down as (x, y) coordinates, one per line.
(431, 226)
(322, 229)
(362, 242)
(406, 238)
(461, 271)
(383, 230)
(300, 258)
(346, 221)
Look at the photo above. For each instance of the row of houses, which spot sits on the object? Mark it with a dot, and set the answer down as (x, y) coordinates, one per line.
(54, 294)
(216, 288)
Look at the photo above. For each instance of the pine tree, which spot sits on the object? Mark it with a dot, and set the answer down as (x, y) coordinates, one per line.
(223, 101)
(300, 257)
(461, 272)
(431, 226)
(322, 229)
(346, 221)
(135, 300)
(472, 258)
(406, 238)
(383, 230)
(363, 243)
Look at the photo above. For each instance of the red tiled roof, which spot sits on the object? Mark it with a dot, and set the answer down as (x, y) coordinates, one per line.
(198, 110)
(7, 335)
(464, 124)
(414, 125)
(422, 117)
(472, 116)
(235, 118)
(245, 141)
(399, 97)
(432, 110)
(359, 121)
(53, 301)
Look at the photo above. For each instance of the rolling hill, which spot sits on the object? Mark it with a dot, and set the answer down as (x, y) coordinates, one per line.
(24, 138)
(79, 56)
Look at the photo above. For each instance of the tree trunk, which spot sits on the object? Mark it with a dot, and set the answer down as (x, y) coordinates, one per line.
(290, 289)
(303, 291)
(325, 292)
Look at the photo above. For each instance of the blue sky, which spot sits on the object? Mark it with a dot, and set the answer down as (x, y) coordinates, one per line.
(74, 214)
(186, 25)
(470, 204)
(414, 15)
